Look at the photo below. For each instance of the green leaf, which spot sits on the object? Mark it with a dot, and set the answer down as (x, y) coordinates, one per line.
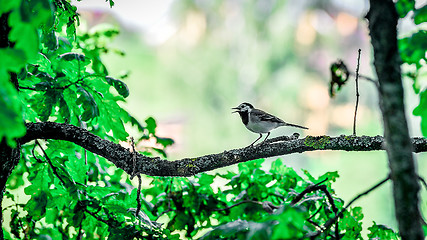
(291, 223)
(77, 169)
(70, 97)
(351, 224)
(120, 233)
(28, 44)
(87, 102)
(52, 215)
(111, 3)
(205, 179)
(12, 125)
(73, 65)
(70, 56)
(136, 123)
(43, 105)
(39, 181)
(11, 60)
(120, 86)
(64, 110)
(420, 15)
(151, 125)
(7, 5)
(59, 198)
(37, 205)
(248, 167)
(277, 166)
(228, 230)
(50, 40)
(44, 64)
(165, 141)
(37, 12)
(421, 110)
(356, 212)
(412, 49)
(403, 7)
(381, 232)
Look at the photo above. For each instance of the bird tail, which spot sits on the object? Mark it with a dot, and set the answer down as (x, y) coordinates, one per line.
(294, 125)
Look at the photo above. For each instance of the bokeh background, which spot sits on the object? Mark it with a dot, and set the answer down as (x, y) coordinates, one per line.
(189, 62)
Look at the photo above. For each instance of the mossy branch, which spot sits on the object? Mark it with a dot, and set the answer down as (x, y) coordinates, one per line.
(154, 166)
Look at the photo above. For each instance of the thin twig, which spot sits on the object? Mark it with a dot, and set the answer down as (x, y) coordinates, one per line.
(50, 163)
(357, 91)
(324, 189)
(80, 235)
(314, 214)
(309, 189)
(237, 204)
(34, 154)
(133, 158)
(138, 195)
(27, 88)
(331, 221)
(314, 224)
(98, 218)
(164, 212)
(65, 86)
(366, 192)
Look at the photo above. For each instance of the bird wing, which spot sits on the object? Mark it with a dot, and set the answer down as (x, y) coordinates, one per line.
(263, 116)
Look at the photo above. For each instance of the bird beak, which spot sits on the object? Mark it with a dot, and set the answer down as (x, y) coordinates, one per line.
(237, 109)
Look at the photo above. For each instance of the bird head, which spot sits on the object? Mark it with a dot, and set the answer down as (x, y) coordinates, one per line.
(243, 107)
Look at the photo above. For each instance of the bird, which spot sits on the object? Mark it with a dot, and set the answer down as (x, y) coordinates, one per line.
(258, 121)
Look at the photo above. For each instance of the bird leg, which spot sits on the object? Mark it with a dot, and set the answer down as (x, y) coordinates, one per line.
(268, 134)
(260, 136)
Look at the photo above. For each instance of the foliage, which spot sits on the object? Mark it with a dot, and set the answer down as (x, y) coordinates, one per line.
(57, 74)
(71, 199)
(251, 204)
(413, 52)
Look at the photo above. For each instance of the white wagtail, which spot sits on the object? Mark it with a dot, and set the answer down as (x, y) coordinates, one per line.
(258, 121)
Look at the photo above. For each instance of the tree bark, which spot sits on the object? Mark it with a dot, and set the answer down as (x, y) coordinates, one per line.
(154, 166)
(383, 19)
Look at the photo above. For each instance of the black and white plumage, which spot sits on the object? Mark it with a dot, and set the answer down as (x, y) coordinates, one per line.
(260, 122)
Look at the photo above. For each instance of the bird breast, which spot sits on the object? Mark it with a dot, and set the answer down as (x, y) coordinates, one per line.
(262, 126)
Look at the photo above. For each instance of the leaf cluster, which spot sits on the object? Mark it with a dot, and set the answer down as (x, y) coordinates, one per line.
(69, 199)
(412, 50)
(250, 204)
(51, 72)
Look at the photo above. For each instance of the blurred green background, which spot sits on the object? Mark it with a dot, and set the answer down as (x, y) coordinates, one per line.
(189, 62)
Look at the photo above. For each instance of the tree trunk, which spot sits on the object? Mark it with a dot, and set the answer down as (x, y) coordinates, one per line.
(383, 18)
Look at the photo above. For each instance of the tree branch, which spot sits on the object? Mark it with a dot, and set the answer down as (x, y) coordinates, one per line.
(154, 166)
